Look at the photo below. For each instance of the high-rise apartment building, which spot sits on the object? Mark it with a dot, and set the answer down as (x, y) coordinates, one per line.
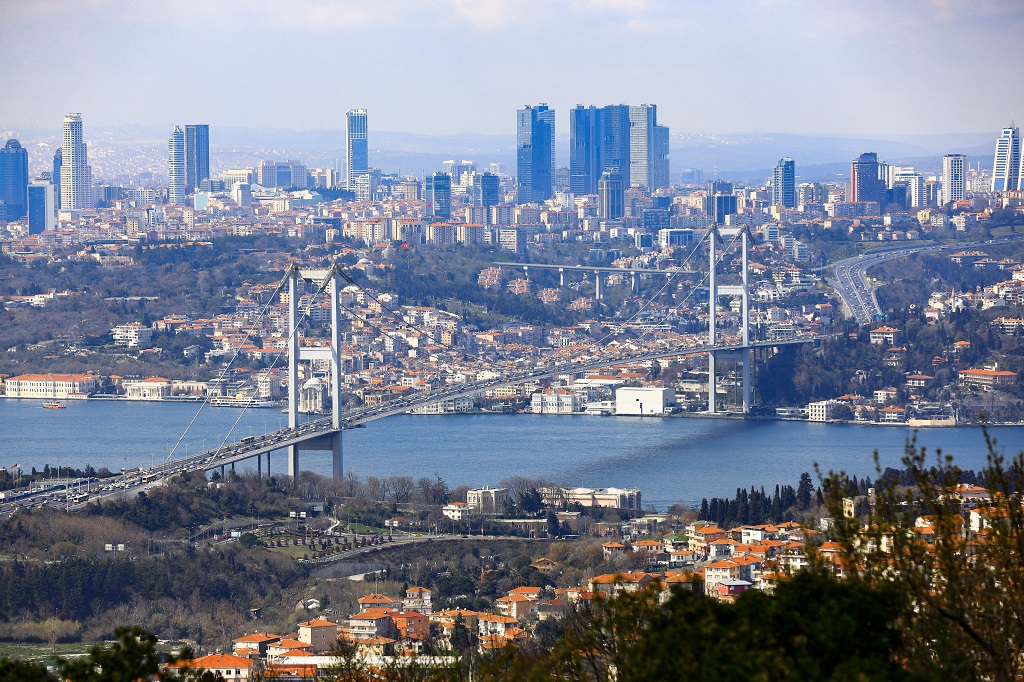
(486, 190)
(75, 173)
(866, 182)
(197, 155)
(1006, 166)
(437, 192)
(357, 155)
(176, 166)
(954, 181)
(784, 183)
(14, 179)
(535, 153)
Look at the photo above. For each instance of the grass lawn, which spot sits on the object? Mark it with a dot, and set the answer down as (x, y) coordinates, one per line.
(42, 653)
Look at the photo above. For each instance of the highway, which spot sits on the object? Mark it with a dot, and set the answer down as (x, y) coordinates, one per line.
(849, 276)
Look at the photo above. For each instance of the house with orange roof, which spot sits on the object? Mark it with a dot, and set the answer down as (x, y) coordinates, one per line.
(650, 546)
(231, 668)
(612, 549)
(701, 538)
(412, 629)
(724, 548)
(610, 584)
(378, 601)
(372, 622)
(417, 599)
(259, 641)
(491, 624)
(283, 646)
(319, 633)
(291, 672)
(717, 571)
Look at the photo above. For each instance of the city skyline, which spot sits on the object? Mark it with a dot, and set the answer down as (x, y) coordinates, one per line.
(668, 43)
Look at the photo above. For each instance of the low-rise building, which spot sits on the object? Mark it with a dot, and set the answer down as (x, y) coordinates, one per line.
(50, 386)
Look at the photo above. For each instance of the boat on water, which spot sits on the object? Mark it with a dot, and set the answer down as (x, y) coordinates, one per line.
(54, 405)
(240, 402)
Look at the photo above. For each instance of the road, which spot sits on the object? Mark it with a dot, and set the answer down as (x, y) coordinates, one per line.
(849, 276)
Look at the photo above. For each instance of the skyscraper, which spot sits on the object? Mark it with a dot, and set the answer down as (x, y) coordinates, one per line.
(437, 192)
(14, 179)
(535, 152)
(486, 190)
(784, 183)
(953, 180)
(648, 148)
(1006, 167)
(583, 150)
(75, 173)
(42, 211)
(611, 193)
(865, 181)
(197, 155)
(613, 141)
(176, 166)
(357, 156)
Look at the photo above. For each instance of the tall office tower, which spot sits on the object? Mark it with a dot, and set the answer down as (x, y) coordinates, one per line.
(648, 148)
(486, 190)
(437, 192)
(357, 155)
(583, 150)
(613, 141)
(14, 179)
(953, 178)
(914, 182)
(55, 178)
(611, 196)
(720, 201)
(75, 173)
(784, 183)
(1006, 167)
(865, 181)
(176, 166)
(535, 146)
(197, 155)
(42, 209)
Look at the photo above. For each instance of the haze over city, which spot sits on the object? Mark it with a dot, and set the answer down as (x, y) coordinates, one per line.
(865, 68)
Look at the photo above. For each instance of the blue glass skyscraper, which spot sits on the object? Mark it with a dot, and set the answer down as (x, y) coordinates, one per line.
(437, 192)
(535, 153)
(197, 155)
(14, 179)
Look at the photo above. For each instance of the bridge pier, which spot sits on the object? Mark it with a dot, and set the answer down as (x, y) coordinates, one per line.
(597, 289)
(561, 277)
(712, 314)
(743, 354)
(632, 282)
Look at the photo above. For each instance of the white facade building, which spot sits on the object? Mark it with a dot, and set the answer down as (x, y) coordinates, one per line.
(75, 173)
(132, 335)
(644, 400)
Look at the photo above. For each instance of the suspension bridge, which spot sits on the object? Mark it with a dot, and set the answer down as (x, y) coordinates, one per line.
(325, 434)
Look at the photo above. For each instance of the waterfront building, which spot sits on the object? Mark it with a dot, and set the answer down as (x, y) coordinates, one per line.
(50, 386)
(986, 377)
(953, 178)
(197, 155)
(866, 182)
(1007, 171)
(357, 156)
(535, 153)
(153, 388)
(614, 498)
(176, 166)
(784, 183)
(641, 400)
(14, 179)
(75, 173)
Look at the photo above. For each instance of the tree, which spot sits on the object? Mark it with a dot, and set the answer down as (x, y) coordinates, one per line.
(958, 587)
(131, 657)
(553, 525)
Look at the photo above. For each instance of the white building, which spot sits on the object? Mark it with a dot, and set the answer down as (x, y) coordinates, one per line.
(644, 400)
(75, 173)
(49, 385)
(153, 388)
(132, 335)
(557, 401)
(488, 500)
(953, 178)
(176, 166)
(823, 410)
(458, 511)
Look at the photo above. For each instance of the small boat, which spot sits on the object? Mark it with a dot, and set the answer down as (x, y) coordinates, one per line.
(54, 405)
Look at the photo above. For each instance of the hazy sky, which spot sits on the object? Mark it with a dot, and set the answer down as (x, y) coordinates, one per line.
(862, 67)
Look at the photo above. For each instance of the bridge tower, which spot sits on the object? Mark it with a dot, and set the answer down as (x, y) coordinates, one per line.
(740, 355)
(329, 281)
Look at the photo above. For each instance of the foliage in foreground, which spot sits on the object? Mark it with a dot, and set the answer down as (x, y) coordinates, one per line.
(962, 599)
